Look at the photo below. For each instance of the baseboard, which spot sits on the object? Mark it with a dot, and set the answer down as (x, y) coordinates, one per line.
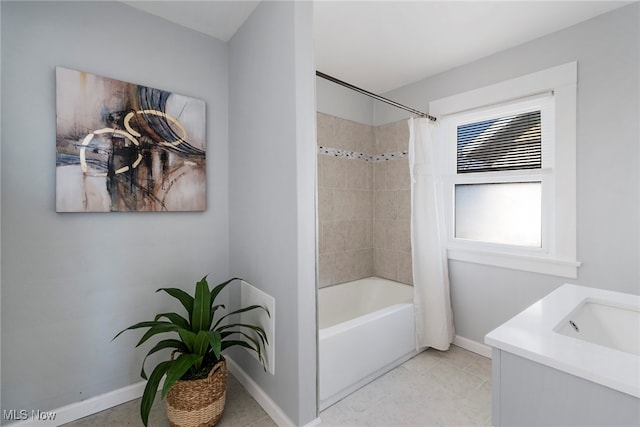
(269, 406)
(474, 346)
(78, 410)
(314, 422)
(75, 411)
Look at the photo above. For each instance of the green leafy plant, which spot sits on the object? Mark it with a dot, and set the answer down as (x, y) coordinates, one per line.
(199, 340)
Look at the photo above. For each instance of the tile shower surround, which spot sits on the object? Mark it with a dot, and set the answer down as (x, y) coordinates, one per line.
(364, 204)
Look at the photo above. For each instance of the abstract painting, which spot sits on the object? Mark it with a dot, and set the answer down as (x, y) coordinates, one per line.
(122, 147)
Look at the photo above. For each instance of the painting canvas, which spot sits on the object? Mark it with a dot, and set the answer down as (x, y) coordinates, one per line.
(125, 147)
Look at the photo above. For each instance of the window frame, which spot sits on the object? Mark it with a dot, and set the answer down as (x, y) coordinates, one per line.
(557, 255)
(544, 175)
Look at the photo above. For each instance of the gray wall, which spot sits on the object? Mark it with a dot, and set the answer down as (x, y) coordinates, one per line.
(607, 49)
(272, 190)
(339, 101)
(71, 281)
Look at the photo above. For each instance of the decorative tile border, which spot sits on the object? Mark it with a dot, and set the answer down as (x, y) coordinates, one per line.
(374, 158)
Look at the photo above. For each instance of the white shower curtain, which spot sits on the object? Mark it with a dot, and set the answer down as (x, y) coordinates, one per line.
(432, 301)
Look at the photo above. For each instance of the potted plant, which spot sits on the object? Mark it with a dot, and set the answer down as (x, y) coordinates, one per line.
(195, 383)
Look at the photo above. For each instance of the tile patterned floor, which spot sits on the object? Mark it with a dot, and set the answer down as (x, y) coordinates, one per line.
(451, 388)
(241, 410)
(434, 388)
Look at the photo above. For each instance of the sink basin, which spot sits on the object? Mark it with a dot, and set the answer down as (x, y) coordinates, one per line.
(605, 324)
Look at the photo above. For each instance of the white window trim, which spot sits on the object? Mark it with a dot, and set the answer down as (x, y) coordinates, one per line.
(544, 175)
(559, 258)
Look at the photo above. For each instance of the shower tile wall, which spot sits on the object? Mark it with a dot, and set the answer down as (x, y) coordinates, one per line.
(392, 206)
(345, 202)
(363, 204)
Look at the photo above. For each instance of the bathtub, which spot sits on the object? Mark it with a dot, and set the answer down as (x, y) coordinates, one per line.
(366, 328)
(572, 358)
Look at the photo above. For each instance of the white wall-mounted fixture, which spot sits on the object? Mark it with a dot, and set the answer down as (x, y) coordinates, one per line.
(250, 295)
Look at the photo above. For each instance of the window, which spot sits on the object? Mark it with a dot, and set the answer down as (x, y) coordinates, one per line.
(509, 172)
(498, 172)
(507, 213)
(508, 141)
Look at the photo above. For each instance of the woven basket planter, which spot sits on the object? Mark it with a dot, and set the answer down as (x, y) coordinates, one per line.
(198, 403)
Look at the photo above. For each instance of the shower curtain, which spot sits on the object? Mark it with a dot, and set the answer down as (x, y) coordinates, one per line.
(432, 301)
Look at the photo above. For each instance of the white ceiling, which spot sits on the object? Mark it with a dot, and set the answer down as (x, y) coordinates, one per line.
(382, 45)
(220, 19)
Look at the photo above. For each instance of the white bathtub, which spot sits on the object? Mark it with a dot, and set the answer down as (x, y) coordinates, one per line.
(366, 329)
(572, 359)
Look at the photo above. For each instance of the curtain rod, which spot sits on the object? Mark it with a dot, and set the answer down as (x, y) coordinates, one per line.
(373, 95)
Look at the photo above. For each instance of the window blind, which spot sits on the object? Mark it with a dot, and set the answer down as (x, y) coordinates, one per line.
(505, 143)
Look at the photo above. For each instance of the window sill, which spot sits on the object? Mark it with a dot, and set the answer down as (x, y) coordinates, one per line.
(535, 264)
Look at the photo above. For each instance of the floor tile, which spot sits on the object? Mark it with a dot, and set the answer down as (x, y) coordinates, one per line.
(434, 388)
(450, 388)
(241, 410)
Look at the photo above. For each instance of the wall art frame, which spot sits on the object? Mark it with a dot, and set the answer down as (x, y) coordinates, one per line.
(123, 147)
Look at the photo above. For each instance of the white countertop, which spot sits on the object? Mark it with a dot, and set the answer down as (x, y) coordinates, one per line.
(530, 335)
